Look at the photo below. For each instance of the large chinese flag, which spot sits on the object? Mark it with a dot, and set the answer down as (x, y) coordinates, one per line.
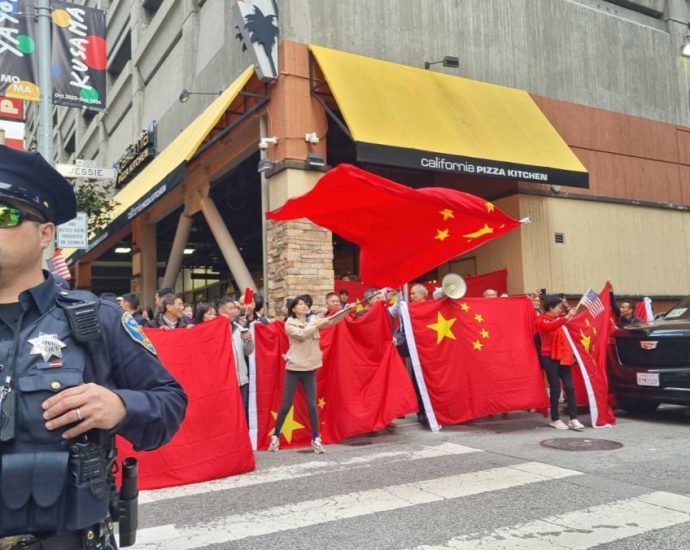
(478, 356)
(402, 232)
(589, 335)
(362, 386)
(213, 440)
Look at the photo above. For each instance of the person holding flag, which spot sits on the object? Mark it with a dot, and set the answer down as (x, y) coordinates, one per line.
(548, 326)
(303, 358)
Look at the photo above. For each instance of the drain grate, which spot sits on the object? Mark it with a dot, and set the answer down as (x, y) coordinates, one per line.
(581, 444)
(357, 443)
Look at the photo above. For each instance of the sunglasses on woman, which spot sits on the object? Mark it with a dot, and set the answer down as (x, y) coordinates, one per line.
(11, 216)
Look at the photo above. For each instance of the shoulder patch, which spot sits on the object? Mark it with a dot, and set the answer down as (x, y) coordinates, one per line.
(135, 332)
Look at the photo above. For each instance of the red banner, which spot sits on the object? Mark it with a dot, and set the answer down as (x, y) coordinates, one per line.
(478, 356)
(476, 285)
(402, 232)
(213, 441)
(590, 334)
(362, 386)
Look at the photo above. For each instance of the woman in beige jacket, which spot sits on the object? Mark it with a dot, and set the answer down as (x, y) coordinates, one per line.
(302, 360)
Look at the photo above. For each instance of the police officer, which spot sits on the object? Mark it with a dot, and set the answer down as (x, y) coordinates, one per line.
(74, 370)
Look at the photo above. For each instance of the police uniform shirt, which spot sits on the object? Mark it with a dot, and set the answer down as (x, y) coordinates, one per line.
(154, 400)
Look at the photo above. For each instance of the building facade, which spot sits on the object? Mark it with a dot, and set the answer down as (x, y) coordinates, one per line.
(607, 75)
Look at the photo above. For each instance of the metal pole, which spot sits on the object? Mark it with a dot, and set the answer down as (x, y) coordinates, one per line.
(263, 129)
(45, 85)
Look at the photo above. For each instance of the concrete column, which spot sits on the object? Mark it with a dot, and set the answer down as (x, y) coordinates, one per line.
(227, 245)
(184, 226)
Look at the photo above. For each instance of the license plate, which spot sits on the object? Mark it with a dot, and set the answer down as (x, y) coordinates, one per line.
(647, 379)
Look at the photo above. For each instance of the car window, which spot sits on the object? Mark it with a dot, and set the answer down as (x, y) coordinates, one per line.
(680, 311)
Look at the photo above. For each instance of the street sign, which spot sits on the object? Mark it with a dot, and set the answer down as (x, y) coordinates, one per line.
(85, 171)
(74, 233)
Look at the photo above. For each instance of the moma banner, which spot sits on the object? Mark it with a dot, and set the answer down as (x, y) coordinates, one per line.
(79, 56)
(18, 64)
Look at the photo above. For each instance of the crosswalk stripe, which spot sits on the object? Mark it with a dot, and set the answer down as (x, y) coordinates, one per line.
(582, 529)
(338, 507)
(313, 467)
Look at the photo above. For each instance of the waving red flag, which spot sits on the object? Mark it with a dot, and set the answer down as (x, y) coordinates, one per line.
(362, 386)
(478, 356)
(213, 440)
(589, 334)
(402, 232)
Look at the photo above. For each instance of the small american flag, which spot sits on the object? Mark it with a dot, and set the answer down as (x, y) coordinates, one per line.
(57, 265)
(591, 301)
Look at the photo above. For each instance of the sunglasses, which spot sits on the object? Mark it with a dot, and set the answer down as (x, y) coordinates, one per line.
(11, 216)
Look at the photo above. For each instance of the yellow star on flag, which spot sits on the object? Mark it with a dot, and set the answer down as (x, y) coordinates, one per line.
(587, 322)
(441, 234)
(478, 317)
(477, 345)
(489, 206)
(484, 333)
(447, 213)
(486, 230)
(322, 403)
(290, 425)
(585, 341)
(442, 326)
(464, 306)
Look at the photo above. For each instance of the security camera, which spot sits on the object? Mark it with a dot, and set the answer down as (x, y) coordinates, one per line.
(264, 142)
(312, 138)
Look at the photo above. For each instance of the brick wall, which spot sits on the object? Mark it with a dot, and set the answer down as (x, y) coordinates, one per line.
(300, 261)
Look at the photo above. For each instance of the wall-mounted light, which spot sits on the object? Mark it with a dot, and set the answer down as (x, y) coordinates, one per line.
(448, 61)
(315, 161)
(184, 96)
(123, 250)
(188, 251)
(685, 47)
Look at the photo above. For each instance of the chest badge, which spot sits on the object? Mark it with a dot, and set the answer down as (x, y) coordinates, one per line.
(46, 345)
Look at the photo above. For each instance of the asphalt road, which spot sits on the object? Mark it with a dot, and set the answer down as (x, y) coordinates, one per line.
(487, 484)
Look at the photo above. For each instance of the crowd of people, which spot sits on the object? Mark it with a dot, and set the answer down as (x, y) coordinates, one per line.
(304, 320)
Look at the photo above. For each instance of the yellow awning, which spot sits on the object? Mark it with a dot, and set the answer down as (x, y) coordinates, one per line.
(150, 184)
(404, 116)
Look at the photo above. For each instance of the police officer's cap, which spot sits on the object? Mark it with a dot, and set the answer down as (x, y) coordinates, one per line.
(27, 177)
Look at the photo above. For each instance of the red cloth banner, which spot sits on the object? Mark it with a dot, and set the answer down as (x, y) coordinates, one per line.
(362, 386)
(476, 285)
(213, 440)
(590, 335)
(478, 356)
(402, 232)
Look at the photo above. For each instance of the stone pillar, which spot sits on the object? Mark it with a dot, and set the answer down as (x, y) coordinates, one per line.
(300, 253)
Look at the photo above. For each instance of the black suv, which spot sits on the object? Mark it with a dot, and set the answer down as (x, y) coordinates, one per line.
(650, 363)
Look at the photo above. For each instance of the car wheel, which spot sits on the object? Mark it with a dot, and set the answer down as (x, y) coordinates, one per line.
(644, 406)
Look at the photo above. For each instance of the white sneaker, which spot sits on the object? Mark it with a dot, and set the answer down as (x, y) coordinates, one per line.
(274, 445)
(576, 425)
(317, 446)
(558, 424)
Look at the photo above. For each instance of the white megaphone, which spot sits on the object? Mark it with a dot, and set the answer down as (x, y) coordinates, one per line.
(453, 286)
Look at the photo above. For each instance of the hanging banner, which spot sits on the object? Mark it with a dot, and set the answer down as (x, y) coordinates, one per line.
(79, 56)
(18, 61)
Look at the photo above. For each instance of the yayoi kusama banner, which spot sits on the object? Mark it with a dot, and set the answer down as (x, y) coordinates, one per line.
(78, 53)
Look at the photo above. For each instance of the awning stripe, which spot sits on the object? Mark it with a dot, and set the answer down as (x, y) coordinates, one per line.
(453, 164)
